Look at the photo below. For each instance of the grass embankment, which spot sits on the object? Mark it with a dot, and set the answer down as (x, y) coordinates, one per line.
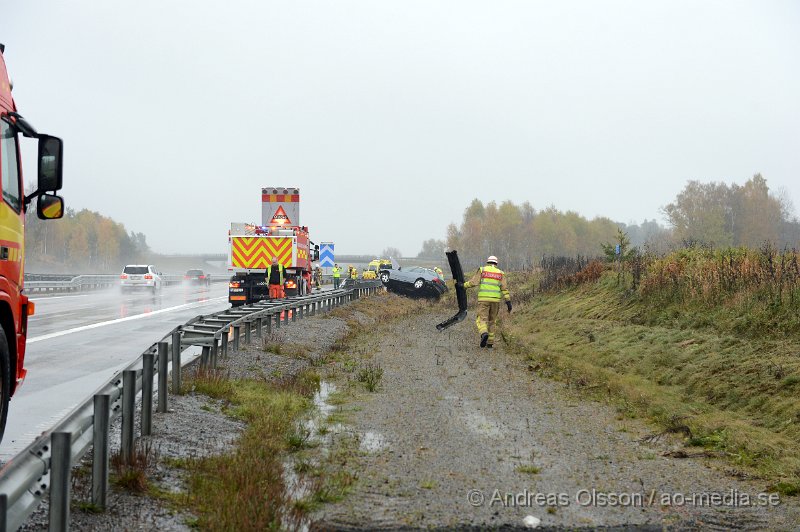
(706, 345)
(248, 488)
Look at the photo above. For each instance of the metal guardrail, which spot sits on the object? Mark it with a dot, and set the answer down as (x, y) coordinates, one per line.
(80, 283)
(46, 463)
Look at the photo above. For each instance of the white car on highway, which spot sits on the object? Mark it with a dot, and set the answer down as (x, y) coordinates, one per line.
(138, 276)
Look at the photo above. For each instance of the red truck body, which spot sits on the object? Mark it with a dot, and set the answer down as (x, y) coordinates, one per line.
(14, 305)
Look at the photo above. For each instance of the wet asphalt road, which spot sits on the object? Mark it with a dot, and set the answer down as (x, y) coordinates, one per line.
(77, 342)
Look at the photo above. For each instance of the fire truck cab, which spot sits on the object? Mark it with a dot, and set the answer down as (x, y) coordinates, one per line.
(14, 305)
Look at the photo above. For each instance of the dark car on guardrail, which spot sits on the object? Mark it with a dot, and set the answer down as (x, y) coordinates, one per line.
(413, 282)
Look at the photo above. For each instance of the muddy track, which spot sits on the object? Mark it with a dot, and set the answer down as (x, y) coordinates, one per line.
(455, 429)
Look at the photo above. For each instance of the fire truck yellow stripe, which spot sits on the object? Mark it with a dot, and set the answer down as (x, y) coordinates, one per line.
(257, 252)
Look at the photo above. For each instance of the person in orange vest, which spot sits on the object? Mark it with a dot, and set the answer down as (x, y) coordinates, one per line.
(275, 274)
(491, 283)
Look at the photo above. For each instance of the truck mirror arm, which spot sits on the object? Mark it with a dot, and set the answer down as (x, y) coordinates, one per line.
(24, 126)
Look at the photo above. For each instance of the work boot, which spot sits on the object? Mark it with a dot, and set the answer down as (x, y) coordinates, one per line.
(489, 346)
(484, 339)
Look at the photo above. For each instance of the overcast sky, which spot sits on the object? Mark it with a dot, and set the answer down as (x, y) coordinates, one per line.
(392, 116)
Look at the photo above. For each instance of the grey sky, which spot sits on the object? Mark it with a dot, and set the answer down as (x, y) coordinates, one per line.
(392, 116)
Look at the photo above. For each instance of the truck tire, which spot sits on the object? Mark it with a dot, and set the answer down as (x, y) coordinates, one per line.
(5, 381)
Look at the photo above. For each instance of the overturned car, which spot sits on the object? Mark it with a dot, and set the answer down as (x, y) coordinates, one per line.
(413, 282)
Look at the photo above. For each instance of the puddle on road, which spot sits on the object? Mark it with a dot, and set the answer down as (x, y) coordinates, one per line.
(372, 442)
(482, 425)
(321, 434)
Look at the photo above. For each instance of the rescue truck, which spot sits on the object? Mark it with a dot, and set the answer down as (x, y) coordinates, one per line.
(280, 235)
(14, 305)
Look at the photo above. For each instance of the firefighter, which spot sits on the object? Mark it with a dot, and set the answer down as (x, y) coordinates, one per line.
(491, 282)
(337, 274)
(353, 272)
(275, 273)
(317, 276)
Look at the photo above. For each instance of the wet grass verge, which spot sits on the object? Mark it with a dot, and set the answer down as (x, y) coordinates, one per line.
(727, 394)
(246, 488)
(276, 473)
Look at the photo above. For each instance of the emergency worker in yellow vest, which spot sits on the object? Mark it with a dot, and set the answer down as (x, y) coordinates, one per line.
(337, 276)
(492, 289)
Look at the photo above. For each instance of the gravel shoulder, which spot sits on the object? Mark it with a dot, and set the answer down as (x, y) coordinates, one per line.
(458, 436)
(195, 426)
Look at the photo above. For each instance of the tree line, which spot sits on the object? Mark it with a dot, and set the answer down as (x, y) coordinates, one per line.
(83, 241)
(709, 214)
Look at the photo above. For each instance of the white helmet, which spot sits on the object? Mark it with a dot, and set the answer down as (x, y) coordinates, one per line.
(491, 260)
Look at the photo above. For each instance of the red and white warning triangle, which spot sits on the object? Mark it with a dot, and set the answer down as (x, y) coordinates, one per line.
(280, 218)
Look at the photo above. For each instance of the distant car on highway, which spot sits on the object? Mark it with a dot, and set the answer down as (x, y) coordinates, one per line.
(413, 282)
(198, 277)
(140, 277)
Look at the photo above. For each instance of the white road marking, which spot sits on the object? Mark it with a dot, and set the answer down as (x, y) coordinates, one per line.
(45, 298)
(120, 320)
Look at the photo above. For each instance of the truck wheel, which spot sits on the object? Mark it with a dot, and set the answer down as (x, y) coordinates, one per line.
(5, 381)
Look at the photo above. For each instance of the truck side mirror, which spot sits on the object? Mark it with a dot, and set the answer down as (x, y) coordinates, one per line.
(50, 207)
(50, 163)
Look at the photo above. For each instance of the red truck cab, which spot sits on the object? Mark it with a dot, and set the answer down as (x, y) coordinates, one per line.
(14, 305)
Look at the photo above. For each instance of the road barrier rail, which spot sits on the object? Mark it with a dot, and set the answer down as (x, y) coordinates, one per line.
(45, 465)
(59, 283)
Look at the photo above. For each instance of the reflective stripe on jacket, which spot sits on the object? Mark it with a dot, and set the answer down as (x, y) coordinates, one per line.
(269, 274)
(337, 272)
(491, 282)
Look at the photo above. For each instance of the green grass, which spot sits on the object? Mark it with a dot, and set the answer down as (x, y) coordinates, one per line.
(691, 369)
(527, 469)
(370, 375)
(245, 489)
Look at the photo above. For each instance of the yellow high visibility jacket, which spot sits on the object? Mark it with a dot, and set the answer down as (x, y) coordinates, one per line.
(491, 282)
(337, 272)
(281, 269)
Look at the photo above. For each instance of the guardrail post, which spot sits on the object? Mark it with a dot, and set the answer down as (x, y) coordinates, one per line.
(213, 354)
(128, 406)
(204, 356)
(286, 316)
(247, 332)
(269, 324)
(176, 362)
(100, 450)
(259, 327)
(294, 314)
(313, 308)
(224, 347)
(237, 331)
(163, 349)
(3, 512)
(278, 319)
(147, 393)
(60, 468)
